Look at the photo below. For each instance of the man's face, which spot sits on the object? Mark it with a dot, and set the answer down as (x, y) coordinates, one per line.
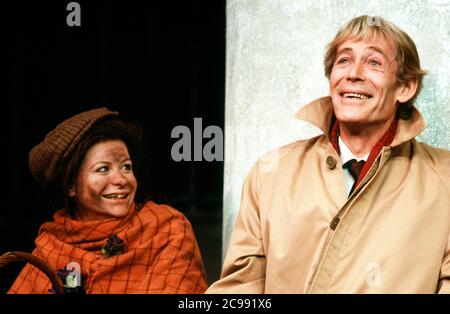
(363, 82)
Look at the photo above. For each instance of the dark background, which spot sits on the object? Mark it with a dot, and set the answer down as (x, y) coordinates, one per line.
(161, 63)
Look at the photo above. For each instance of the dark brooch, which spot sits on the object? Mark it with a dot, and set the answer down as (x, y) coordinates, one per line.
(114, 246)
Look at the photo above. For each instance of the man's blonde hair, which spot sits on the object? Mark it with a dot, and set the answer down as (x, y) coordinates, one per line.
(369, 28)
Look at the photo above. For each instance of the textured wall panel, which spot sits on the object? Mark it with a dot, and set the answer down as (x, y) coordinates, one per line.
(274, 66)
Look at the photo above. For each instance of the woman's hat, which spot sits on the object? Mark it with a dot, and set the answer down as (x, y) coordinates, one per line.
(45, 158)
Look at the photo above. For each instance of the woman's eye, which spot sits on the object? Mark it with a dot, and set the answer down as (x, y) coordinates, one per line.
(102, 169)
(127, 167)
(374, 62)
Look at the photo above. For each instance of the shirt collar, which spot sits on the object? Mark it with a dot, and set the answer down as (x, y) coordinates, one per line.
(346, 153)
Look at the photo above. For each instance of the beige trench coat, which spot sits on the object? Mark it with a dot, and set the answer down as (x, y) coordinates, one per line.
(297, 232)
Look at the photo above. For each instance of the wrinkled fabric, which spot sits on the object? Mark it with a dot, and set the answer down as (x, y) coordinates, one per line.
(161, 253)
(297, 232)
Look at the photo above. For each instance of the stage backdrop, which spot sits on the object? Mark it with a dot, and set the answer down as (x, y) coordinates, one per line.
(274, 66)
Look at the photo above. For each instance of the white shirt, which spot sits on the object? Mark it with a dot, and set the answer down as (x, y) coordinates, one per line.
(346, 155)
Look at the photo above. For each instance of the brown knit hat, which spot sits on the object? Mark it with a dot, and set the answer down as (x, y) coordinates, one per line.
(44, 159)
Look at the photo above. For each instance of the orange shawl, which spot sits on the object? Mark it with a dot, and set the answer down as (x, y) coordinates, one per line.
(161, 254)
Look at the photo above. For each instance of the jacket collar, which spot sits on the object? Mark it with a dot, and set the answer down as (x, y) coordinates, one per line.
(320, 113)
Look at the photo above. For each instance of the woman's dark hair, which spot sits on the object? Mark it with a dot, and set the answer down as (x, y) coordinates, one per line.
(109, 128)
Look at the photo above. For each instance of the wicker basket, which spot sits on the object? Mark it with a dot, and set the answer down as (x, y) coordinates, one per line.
(18, 256)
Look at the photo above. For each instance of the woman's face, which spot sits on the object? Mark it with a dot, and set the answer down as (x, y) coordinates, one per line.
(105, 186)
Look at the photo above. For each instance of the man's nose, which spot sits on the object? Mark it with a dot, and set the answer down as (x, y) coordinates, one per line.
(356, 72)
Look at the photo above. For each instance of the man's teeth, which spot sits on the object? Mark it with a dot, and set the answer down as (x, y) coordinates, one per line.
(354, 95)
(115, 196)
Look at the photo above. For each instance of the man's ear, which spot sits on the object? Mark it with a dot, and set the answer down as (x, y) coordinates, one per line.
(407, 90)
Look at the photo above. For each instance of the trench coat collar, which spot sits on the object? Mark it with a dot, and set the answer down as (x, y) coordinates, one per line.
(320, 113)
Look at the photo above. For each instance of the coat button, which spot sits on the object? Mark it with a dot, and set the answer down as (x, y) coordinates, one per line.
(331, 163)
(334, 223)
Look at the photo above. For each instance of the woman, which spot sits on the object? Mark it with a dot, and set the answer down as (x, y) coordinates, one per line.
(102, 241)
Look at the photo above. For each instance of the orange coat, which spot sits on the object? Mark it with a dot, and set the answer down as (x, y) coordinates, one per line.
(161, 253)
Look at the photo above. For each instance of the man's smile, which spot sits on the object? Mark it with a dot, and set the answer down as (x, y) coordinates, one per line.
(355, 94)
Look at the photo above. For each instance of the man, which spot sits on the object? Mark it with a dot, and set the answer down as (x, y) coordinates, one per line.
(363, 208)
